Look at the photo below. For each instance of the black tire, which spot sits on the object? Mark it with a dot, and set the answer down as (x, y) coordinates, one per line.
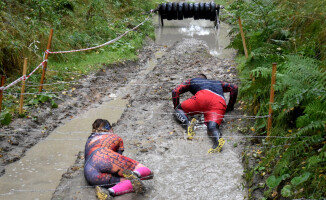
(196, 11)
(169, 11)
(191, 10)
(162, 11)
(175, 10)
(213, 11)
(180, 11)
(185, 10)
(207, 10)
(201, 10)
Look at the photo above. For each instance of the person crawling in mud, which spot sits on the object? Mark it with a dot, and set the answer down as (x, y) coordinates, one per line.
(106, 168)
(209, 100)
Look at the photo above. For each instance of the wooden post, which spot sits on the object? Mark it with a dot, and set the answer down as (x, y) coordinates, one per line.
(3, 78)
(271, 100)
(243, 38)
(45, 63)
(23, 88)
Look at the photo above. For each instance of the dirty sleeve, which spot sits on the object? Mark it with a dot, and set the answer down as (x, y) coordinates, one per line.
(182, 88)
(233, 89)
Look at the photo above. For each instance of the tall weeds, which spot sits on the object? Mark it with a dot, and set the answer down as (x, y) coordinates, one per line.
(292, 34)
(25, 27)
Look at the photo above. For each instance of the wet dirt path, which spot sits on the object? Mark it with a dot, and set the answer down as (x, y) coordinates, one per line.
(183, 169)
(42, 166)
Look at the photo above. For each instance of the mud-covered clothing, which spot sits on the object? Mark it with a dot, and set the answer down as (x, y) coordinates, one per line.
(197, 84)
(208, 98)
(103, 139)
(103, 165)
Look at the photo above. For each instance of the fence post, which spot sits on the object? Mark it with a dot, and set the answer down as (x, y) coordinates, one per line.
(271, 100)
(46, 60)
(243, 38)
(3, 78)
(23, 87)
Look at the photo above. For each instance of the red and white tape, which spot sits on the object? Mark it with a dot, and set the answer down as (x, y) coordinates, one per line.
(22, 77)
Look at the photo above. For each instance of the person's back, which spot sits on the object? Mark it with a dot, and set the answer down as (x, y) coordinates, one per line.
(102, 140)
(197, 84)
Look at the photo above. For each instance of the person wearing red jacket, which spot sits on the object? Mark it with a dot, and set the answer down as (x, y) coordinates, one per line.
(106, 168)
(207, 99)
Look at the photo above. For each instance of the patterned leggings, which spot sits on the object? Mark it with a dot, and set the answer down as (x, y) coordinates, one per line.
(104, 167)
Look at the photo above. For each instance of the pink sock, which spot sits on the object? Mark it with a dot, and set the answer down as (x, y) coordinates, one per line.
(144, 172)
(122, 188)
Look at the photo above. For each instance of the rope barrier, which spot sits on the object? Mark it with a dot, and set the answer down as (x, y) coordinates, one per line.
(78, 50)
(226, 116)
(134, 135)
(22, 77)
(112, 84)
(102, 45)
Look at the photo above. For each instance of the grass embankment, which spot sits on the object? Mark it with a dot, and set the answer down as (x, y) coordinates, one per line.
(292, 163)
(25, 27)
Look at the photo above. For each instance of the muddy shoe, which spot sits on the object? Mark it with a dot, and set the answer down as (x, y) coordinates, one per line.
(221, 142)
(102, 193)
(191, 131)
(137, 184)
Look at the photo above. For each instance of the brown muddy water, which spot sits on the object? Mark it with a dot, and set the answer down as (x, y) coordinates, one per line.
(143, 115)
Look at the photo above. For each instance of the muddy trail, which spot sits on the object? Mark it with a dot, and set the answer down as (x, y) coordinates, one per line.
(183, 168)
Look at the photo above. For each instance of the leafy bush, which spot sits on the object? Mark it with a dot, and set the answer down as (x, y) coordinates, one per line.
(289, 33)
(5, 118)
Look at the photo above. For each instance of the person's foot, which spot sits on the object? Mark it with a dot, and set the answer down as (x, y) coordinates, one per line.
(191, 131)
(221, 142)
(102, 193)
(137, 184)
(151, 176)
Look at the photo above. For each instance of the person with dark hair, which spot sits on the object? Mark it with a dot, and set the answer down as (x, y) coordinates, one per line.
(106, 168)
(209, 100)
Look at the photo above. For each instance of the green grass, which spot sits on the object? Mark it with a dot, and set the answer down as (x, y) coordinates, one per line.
(77, 24)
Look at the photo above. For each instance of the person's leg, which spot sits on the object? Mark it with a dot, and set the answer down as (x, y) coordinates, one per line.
(124, 187)
(181, 116)
(116, 165)
(214, 132)
(214, 115)
(186, 108)
(143, 172)
(95, 177)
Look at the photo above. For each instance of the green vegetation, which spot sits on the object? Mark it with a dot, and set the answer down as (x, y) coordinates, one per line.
(292, 34)
(77, 24)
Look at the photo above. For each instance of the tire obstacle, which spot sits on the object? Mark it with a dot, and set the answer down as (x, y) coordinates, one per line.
(179, 11)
